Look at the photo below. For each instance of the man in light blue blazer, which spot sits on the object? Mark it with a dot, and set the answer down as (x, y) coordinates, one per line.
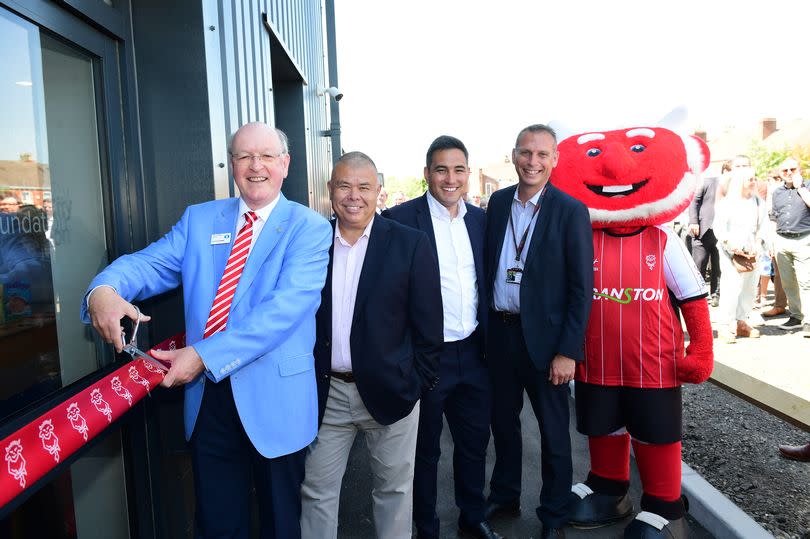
(250, 398)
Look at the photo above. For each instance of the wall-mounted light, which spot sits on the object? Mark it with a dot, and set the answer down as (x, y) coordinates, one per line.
(24, 83)
(332, 91)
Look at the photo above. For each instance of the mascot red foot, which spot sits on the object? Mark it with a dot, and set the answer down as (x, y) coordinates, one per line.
(628, 388)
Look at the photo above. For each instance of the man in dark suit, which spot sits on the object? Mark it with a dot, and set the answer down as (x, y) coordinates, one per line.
(704, 242)
(456, 232)
(379, 336)
(540, 269)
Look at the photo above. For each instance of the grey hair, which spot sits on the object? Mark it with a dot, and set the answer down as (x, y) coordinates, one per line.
(282, 137)
(357, 159)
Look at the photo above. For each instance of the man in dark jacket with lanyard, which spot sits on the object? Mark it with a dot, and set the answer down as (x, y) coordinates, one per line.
(539, 253)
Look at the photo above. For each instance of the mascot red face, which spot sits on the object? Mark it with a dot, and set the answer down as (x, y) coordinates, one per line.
(631, 177)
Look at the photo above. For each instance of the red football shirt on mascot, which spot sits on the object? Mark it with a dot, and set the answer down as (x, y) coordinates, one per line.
(628, 387)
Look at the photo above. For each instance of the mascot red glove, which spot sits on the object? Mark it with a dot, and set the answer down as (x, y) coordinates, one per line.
(628, 388)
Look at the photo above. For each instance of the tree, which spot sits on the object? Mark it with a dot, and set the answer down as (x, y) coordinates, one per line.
(411, 187)
(766, 161)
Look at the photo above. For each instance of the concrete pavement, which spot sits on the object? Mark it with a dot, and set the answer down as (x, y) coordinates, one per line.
(356, 516)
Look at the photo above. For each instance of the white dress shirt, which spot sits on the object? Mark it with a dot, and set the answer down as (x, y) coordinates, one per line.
(456, 269)
(506, 296)
(347, 263)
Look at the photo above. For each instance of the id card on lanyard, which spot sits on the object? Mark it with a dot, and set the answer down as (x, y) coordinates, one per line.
(514, 275)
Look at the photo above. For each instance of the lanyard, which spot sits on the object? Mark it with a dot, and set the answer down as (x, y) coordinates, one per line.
(519, 246)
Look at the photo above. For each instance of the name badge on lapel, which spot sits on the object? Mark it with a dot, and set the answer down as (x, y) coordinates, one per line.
(220, 239)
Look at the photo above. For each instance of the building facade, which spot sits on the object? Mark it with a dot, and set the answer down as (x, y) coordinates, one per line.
(115, 116)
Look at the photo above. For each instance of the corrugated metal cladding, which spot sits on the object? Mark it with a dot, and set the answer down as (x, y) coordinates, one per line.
(252, 60)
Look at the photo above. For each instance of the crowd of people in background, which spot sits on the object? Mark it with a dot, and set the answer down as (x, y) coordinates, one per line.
(746, 233)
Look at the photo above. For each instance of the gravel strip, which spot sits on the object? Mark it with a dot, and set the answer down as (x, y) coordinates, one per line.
(733, 445)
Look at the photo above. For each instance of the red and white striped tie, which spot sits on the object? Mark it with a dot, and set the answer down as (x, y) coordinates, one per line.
(230, 278)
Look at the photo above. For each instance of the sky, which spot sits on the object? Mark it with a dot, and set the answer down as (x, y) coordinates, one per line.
(481, 71)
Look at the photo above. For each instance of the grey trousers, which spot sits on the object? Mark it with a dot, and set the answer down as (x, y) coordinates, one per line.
(392, 449)
(793, 259)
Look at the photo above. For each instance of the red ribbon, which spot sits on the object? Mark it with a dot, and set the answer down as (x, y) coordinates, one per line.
(38, 447)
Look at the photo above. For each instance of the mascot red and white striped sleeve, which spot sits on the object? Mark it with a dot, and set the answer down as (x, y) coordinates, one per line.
(628, 389)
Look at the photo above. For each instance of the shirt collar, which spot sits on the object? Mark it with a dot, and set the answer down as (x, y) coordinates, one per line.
(440, 212)
(262, 213)
(366, 233)
(534, 199)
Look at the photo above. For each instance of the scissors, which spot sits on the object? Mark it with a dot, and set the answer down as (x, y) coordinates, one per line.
(134, 351)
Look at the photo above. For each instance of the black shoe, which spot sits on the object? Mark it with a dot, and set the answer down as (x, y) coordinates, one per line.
(482, 530)
(792, 323)
(552, 533)
(651, 526)
(496, 510)
(589, 509)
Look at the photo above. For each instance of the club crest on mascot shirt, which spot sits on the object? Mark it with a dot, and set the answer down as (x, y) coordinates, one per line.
(634, 180)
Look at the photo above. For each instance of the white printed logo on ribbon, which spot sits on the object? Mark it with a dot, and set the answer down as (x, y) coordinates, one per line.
(16, 462)
(100, 404)
(137, 378)
(650, 260)
(151, 368)
(120, 390)
(50, 441)
(76, 419)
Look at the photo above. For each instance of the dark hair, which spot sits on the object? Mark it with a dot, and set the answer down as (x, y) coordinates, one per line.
(536, 128)
(445, 142)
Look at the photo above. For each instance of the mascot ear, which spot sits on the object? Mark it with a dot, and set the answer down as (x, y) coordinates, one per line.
(697, 153)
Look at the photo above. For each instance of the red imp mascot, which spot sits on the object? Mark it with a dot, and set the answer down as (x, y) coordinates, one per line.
(628, 389)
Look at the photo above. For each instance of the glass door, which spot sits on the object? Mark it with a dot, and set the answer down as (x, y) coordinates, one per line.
(52, 242)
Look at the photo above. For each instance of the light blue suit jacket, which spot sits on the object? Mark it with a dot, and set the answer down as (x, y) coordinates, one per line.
(266, 349)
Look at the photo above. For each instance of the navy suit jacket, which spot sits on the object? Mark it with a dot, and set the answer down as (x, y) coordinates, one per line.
(556, 289)
(397, 327)
(416, 214)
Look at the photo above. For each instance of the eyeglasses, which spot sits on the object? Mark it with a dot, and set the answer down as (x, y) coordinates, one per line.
(265, 158)
(791, 170)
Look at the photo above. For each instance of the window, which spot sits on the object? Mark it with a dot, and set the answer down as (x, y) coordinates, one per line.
(52, 238)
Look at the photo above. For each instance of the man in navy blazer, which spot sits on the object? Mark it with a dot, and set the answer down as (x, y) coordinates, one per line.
(540, 270)
(379, 337)
(463, 396)
(250, 392)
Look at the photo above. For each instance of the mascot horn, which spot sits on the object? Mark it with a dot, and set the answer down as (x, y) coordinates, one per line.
(628, 389)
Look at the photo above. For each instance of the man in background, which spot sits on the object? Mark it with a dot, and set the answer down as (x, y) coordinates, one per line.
(791, 211)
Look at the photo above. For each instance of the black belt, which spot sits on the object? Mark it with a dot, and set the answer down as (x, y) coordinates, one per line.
(793, 234)
(511, 319)
(347, 377)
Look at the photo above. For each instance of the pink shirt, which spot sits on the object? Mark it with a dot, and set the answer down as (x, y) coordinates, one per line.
(347, 263)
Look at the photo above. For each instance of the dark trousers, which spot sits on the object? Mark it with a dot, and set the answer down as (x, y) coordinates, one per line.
(226, 465)
(704, 251)
(513, 372)
(463, 395)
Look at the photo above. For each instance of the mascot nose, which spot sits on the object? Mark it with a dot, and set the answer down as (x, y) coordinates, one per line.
(616, 161)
